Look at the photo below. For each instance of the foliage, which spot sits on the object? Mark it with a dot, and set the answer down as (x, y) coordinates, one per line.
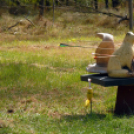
(80, 2)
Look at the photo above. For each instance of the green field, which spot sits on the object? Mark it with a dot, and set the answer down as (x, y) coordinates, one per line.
(40, 87)
(41, 91)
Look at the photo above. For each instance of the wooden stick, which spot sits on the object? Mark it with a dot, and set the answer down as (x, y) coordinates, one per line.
(103, 54)
(91, 107)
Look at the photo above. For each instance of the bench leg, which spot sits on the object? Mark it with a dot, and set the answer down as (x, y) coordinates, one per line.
(125, 100)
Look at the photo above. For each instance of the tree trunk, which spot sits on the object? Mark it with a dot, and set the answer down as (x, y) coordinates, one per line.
(47, 3)
(115, 3)
(56, 2)
(17, 3)
(75, 2)
(96, 4)
(41, 8)
(67, 2)
(106, 3)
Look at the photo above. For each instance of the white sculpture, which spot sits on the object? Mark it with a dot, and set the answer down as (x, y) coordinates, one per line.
(123, 58)
(102, 54)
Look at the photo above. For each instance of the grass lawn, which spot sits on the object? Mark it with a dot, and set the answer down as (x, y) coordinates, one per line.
(41, 92)
(40, 87)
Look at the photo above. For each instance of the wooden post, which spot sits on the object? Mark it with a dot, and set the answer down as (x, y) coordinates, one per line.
(125, 100)
(130, 6)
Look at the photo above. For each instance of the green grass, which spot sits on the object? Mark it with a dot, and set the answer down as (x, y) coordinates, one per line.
(42, 86)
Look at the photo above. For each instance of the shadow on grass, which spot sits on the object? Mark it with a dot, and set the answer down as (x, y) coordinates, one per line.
(94, 116)
(85, 118)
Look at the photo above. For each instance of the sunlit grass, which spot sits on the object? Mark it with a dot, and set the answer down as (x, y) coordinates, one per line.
(40, 87)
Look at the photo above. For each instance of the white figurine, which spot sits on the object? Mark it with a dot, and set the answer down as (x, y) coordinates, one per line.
(123, 58)
(102, 54)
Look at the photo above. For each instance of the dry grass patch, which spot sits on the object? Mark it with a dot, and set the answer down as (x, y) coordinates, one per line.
(66, 25)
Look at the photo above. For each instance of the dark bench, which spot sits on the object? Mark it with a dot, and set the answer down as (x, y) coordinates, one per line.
(125, 94)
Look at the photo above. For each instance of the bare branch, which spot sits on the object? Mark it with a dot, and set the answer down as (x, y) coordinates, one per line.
(122, 18)
(30, 21)
(13, 25)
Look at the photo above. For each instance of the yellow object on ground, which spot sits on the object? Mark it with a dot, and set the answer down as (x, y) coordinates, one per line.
(87, 102)
(89, 97)
(89, 94)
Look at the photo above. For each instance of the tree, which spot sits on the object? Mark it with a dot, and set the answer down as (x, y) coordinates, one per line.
(48, 3)
(67, 3)
(17, 7)
(106, 3)
(56, 2)
(16, 2)
(96, 4)
(115, 3)
(41, 8)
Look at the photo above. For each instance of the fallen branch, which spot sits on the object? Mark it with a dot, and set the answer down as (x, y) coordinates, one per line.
(9, 28)
(122, 18)
(30, 21)
(13, 25)
(17, 23)
(112, 14)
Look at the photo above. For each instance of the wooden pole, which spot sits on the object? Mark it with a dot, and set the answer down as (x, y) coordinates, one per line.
(130, 7)
(91, 107)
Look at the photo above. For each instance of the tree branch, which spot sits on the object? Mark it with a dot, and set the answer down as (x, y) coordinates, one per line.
(122, 18)
(13, 25)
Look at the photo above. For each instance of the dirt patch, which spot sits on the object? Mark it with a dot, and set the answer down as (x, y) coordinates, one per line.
(3, 124)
